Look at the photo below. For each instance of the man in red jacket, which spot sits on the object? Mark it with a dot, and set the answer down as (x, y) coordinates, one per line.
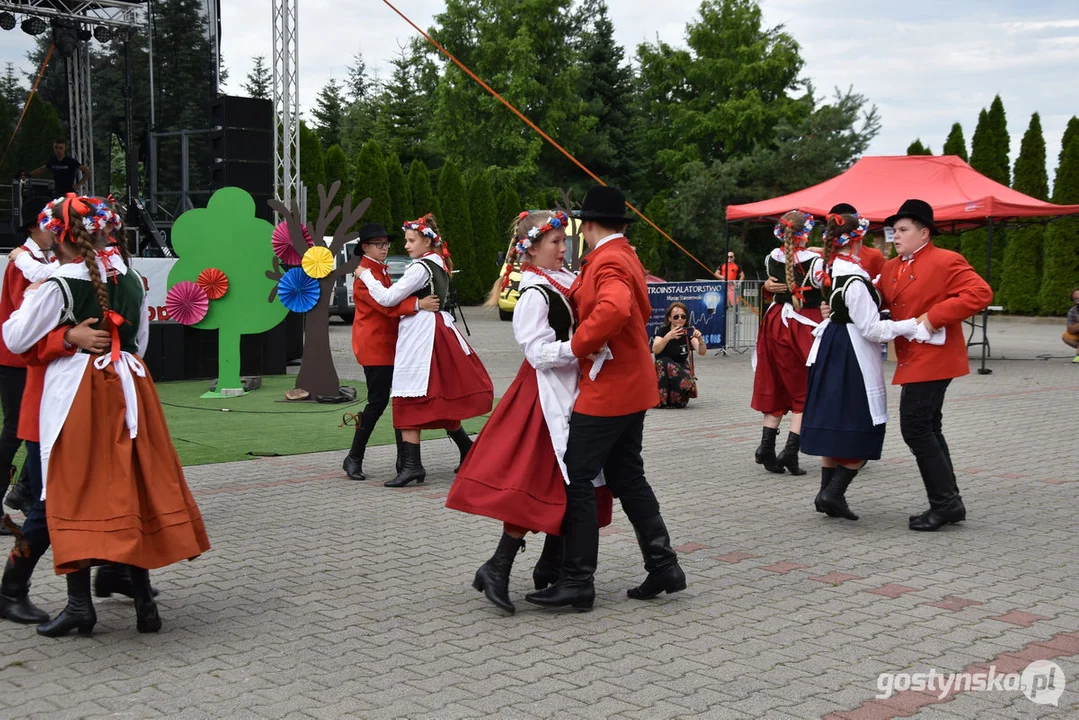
(374, 340)
(618, 385)
(940, 289)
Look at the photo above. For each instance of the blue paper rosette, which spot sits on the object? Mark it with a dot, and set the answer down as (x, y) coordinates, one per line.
(299, 292)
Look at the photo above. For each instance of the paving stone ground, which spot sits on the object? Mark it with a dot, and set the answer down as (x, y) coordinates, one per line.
(327, 598)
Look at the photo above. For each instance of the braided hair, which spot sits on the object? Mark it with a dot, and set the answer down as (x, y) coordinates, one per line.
(794, 224)
(525, 221)
(72, 209)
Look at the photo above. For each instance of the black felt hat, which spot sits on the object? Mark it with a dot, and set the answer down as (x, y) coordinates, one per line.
(918, 210)
(373, 231)
(31, 208)
(843, 209)
(604, 204)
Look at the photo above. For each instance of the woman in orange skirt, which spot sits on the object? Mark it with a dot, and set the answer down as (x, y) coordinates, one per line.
(112, 483)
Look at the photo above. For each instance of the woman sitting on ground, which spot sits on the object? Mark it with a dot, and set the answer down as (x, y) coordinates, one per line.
(672, 345)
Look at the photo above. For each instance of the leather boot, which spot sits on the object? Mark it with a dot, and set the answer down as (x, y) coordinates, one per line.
(493, 577)
(18, 497)
(146, 618)
(945, 504)
(575, 586)
(115, 578)
(660, 560)
(832, 499)
(463, 441)
(15, 602)
(353, 464)
(546, 571)
(934, 519)
(788, 457)
(826, 474)
(411, 468)
(79, 613)
(766, 451)
(397, 435)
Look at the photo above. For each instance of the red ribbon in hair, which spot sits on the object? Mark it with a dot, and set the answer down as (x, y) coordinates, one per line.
(114, 320)
(70, 199)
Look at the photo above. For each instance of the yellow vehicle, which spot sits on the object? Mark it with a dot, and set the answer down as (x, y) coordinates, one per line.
(575, 250)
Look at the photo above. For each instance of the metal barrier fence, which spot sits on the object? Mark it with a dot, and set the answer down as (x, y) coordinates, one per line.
(744, 307)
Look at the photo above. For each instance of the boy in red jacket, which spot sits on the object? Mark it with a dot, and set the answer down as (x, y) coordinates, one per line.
(605, 430)
(940, 289)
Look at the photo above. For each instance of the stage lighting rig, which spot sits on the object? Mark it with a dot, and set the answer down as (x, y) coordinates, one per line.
(33, 25)
(65, 36)
(102, 34)
(7, 21)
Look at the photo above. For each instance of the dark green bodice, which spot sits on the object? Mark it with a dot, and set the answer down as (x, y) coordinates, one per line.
(125, 297)
(837, 301)
(559, 316)
(439, 283)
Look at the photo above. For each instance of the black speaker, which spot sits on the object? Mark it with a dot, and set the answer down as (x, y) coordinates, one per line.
(239, 144)
(230, 111)
(242, 147)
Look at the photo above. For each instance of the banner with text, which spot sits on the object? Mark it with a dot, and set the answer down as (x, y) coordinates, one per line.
(706, 304)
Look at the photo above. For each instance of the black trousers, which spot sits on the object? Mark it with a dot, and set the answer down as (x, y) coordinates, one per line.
(613, 445)
(379, 380)
(921, 423)
(12, 384)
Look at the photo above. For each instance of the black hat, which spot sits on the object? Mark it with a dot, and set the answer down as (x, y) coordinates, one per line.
(373, 231)
(603, 203)
(843, 209)
(918, 210)
(31, 208)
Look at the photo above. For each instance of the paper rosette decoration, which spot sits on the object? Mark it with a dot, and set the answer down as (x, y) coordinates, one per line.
(282, 244)
(214, 282)
(318, 262)
(299, 292)
(187, 303)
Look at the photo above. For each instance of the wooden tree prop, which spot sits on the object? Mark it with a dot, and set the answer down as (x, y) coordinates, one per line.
(317, 375)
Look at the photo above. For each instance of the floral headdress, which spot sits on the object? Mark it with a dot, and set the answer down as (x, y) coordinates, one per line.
(800, 237)
(97, 214)
(422, 226)
(849, 235)
(558, 220)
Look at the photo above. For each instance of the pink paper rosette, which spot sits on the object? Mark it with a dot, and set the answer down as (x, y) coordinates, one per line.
(214, 282)
(282, 244)
(186, 303)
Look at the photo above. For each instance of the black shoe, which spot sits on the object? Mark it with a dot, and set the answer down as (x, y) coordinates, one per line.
(788, 457)
(15, 602)
(115, 578)
(832, 499)
(574, 587)
(660, 560)
(411, 468)
(147, 619)
(934, 519)
(463, 442)
(353, 467)
(493, 577)
(79, 613)
(546, 571)
(766, 451)
(18, 497)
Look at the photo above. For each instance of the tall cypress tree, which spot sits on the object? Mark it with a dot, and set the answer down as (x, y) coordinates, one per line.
(955, 144)
(419, 185)
(484, 227)
(998, 123)
(329, 113)
(455, 222)
(1061, 258)
(369, 180)
(336, 168)
(312, 168)
(400, 195)
(917, 148)
(986, 158)
(1021, 282)
(508, 204)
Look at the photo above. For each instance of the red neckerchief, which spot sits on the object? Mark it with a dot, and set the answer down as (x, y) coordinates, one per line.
(528, 267)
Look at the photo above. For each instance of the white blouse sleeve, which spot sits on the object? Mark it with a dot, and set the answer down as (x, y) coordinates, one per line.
(33, 270)
(142, 335)
(866, 316)
(416, 276)
(38, 315)
(537, 338)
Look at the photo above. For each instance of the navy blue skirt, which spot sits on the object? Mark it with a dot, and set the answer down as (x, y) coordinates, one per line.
(837, 422)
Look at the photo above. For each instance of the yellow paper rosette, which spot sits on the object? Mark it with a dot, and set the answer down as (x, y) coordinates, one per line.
(317, 262)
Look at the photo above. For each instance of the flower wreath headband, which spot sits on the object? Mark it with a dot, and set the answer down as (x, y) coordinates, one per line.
(801, 236)
(851, 234)
(420, 225)
(96, 213)
(557, 221)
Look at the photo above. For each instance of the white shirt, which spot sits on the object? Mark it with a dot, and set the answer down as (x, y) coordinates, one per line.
(610, 237)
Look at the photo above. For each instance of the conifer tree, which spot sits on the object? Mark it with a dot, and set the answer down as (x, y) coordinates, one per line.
(455, 223)
(484, 227)
(369, 180)
(1061, 257)
(1021, 282)
(955, 144)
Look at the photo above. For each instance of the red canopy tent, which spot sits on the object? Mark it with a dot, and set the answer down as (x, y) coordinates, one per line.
(961, 198)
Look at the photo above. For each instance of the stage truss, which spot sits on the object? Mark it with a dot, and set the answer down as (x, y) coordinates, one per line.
(286, 103)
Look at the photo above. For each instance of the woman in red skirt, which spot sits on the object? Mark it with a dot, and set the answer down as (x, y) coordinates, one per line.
(438, 380)
(515, 472)
(786, 335)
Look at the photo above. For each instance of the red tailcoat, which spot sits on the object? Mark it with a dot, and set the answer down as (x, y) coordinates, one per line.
(944, 285)
(871, 260)
(374, 328)
(15, 284)
(611, 298)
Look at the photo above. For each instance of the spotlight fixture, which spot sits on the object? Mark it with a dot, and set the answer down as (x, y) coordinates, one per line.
(65, 36)
(7, 21)
(33, 25)
(84, 34)
(102, 34)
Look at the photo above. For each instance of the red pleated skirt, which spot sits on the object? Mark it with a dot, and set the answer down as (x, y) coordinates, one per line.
(781, 379)
(511, 473)
(459, 387)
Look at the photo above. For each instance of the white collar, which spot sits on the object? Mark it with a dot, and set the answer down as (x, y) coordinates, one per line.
(76, 270)
(374, 260)
(800, 255)
(908, 258)
(33, 248)
(842, 265)
(436, 257)
(610, 237)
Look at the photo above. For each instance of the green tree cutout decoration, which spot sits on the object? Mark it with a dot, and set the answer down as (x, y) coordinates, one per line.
(317, 375)
(227, 236)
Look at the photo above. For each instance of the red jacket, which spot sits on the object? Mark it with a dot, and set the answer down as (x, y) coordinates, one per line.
(374, 327)
(15, 284)
(944, 285)
(872, 261)
(611, 298)
(37, 360)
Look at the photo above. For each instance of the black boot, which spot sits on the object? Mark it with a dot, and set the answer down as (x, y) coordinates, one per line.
(397, 465)
(353, 464)
(832, 499)
(18, 497)
(493, 577)
(766, 451)
(575, 580)
(15, 602)
(945, 504)
(546, 571)
(934, 519)
(146, 618)
(79, 613)
(115, 578)
(411, 468)
(463, 441)
(826, 474)
(788, 457)
(660, 560)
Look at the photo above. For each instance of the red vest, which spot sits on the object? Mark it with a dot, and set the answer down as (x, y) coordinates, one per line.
(374, 327)
(944, 285)
(872, 261)
(15, 284)
(611, 298)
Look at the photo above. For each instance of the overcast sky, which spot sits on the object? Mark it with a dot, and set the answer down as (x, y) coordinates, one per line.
(924, 63)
